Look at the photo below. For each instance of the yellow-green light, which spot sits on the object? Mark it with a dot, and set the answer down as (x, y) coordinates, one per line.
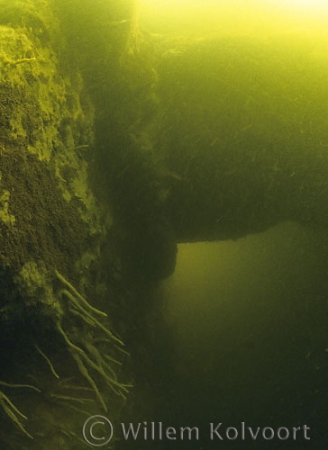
(199, 18)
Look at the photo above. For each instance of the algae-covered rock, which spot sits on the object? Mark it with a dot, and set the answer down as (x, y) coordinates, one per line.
(59, 353)
(5, 217)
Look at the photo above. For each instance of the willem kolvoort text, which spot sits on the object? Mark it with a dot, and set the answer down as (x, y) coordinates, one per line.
(154, 431)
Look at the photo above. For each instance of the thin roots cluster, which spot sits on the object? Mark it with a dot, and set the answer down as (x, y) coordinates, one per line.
(85, 353)
(82, 344)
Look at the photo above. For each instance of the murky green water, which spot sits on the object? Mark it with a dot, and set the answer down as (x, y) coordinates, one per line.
(249, 321)
(190, 141)
(248, 318)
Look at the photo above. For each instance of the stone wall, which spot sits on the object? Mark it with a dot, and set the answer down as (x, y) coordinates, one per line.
(59, 353)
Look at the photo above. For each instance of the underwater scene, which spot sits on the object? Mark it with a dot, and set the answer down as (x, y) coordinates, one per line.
(164, 224)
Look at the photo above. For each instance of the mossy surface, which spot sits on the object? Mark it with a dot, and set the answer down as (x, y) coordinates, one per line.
(43, 109)
(40, 224)
(50, 222)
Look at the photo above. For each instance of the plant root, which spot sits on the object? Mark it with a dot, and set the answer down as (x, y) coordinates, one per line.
(80, 307)
(52, 369)
(12, 411)
(82, 347)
